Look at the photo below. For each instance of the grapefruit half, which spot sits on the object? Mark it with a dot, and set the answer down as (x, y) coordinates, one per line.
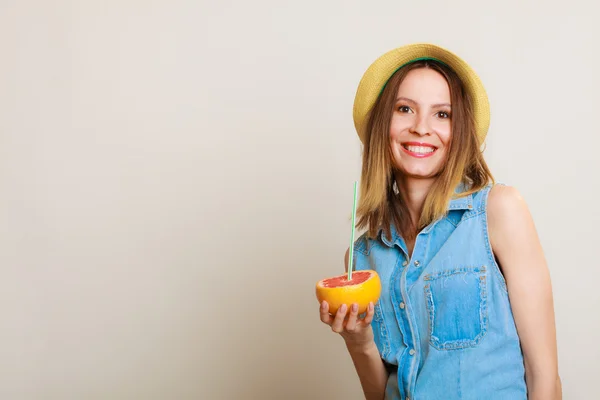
(363, 288)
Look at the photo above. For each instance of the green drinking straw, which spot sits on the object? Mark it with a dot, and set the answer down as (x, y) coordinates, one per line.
(351, 251)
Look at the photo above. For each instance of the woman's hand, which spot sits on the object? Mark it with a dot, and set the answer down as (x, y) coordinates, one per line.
(357, 332)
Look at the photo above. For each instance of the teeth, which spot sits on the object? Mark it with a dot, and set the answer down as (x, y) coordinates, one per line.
(420, 149)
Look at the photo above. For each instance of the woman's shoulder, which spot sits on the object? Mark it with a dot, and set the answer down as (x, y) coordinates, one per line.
(504, 200)
(496, 197)
(507, 211)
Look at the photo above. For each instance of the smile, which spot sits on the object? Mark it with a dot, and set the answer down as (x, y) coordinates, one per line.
(419, 150)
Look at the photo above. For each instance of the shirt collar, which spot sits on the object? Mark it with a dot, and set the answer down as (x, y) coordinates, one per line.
(457, 203)
(461, 203)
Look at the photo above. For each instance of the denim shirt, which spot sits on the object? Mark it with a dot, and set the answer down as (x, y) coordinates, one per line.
(443, 324)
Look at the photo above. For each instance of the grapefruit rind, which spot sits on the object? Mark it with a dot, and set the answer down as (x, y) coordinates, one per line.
(361, 293)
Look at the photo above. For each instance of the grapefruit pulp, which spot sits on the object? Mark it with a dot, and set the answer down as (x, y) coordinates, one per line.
(363, 288)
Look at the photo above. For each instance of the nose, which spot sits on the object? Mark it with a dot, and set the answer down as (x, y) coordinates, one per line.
(420, 126)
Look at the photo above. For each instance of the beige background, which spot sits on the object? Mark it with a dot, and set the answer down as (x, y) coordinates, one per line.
(175, 176)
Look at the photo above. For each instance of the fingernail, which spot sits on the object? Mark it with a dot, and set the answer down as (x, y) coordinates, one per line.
(371, 306)
(323, 305)
(343, 308)
(354, 307)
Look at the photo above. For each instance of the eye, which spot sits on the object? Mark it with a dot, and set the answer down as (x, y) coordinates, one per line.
(404, 109)
(443, 114)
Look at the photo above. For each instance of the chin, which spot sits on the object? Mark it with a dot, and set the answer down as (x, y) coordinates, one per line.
(419, 173)
(418, 170)
(421, 176)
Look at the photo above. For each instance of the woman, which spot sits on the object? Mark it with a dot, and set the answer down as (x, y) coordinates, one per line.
(466, 309)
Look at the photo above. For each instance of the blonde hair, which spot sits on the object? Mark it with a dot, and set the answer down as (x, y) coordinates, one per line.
(379, 205)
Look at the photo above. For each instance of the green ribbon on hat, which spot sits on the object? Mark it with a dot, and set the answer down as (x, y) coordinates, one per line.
(411, 62)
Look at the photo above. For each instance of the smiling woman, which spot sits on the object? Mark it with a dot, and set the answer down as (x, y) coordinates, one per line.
(423, 113)
(458, 316)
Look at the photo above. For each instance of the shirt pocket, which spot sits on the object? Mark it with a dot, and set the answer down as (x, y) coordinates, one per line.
(457, 307)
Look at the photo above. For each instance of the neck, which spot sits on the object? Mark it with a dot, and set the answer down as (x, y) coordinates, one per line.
(413, 193)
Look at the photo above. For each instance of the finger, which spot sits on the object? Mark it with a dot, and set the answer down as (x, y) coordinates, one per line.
(370, 314)
(326, 318)
(338, 321)
(352, 318)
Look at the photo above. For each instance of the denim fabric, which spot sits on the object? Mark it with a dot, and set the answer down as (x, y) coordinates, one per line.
(443, 321)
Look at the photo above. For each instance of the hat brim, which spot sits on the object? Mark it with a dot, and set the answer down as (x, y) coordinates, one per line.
(380, 71)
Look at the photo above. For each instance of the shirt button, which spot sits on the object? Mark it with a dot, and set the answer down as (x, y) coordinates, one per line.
(412, 352)
(417, 263)
(405, 263)
(402, 305)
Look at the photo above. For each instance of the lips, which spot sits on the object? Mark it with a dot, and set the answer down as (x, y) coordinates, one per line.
(419, 150)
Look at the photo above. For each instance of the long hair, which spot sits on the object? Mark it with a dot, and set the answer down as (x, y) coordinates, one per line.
(379, 204)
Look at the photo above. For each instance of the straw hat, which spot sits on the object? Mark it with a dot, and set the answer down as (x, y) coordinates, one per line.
(376, 76)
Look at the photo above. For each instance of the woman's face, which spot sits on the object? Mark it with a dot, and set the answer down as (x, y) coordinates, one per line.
(420, 128)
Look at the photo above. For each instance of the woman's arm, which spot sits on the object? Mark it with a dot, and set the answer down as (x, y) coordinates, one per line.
(370, 369)
(358, 336)
(516, 245)
(366, 358)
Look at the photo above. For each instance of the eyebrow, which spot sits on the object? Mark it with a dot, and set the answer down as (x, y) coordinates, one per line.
(432, 106)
